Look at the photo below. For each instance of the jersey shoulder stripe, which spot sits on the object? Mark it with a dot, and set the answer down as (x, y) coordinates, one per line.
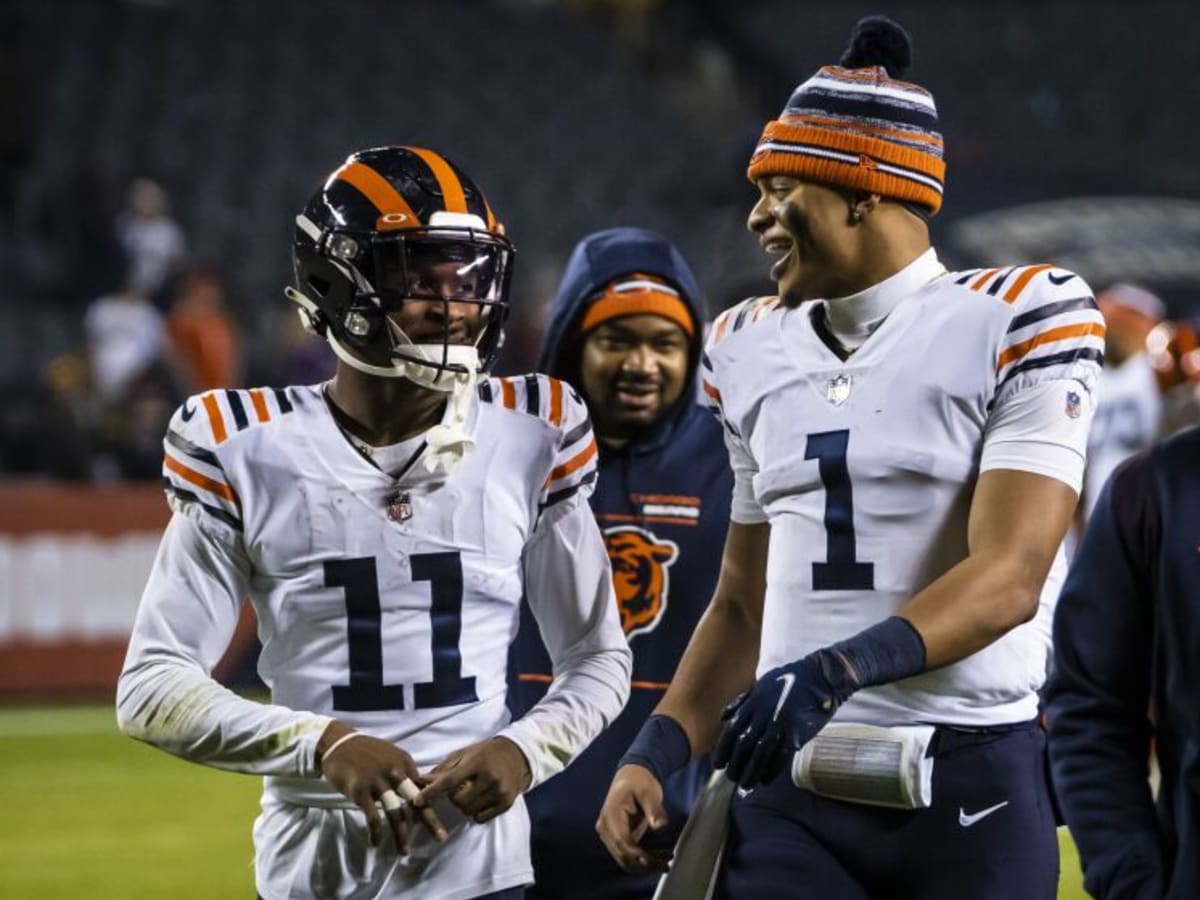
(535, 394)
(738, 317)
(1056, 330)
(200, 433)
(1005, 283)
(230, 411)
(575, 466)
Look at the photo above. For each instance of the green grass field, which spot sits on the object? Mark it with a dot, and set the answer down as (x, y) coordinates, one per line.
(93, 814)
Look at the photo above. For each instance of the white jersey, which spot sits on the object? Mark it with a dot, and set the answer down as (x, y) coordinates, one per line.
(865, 468)
(389, 604)
(1127, 420)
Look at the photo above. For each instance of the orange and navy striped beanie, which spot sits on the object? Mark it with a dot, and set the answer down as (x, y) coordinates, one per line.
(856, 125)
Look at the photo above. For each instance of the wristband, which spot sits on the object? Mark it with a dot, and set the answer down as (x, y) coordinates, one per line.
(338, 743)
(662, 746)
(885, 652)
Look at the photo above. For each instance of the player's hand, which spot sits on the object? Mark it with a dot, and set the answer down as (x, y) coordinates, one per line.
(483, 780)
(363, 769)
(634, 805)
(780, 714)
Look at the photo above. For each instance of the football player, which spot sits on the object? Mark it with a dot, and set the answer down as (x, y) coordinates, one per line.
(385, 526)
(908, 445)
(626, 327)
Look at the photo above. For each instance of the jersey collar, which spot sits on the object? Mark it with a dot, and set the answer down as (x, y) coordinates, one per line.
(851, 319)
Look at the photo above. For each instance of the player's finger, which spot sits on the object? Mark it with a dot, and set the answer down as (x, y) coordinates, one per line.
(364, 801)
(478, 800)
(393, 809)
(724, 748)
(488, 813)
(440, 784)
(739, 759)
(761, 758)
(616, 834)
(450, 762)
(654, 813)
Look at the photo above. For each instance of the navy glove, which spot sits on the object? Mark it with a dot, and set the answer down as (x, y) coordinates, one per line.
(791, 703)
(778, 716)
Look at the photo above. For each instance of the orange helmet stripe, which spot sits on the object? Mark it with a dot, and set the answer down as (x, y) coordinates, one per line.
(375, 188)
(452, 189)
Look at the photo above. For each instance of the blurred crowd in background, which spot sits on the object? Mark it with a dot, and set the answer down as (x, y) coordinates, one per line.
(154, 155)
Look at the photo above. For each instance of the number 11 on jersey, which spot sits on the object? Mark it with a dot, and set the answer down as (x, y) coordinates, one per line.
(841, 571)
(364, 632)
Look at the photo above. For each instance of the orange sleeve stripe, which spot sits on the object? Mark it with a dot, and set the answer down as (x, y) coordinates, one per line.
(214, 418)
(710, 390)
(201, 481)
(508, 394)
(260, 405)
(555, 402)
(722, 324)
(1019, 285)
(982, 279)
(452, 189)
(375, 188)
(1016, 351)
(578, 461)
(535, 676)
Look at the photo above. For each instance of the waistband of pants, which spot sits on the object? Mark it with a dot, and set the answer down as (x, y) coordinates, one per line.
(948, 738)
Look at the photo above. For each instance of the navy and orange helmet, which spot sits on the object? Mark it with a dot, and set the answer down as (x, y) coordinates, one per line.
(393, 224)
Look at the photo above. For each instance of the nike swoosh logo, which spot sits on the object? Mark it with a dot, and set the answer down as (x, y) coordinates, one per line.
(966, 821)
(788, 680)
(187, 413)
(1063, 280)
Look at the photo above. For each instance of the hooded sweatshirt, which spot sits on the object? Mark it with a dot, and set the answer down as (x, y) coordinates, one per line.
(662, 502)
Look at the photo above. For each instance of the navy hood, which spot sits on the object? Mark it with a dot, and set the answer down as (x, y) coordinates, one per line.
(597, 260)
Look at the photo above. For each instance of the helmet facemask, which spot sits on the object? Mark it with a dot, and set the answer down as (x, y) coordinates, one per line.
(356, 283)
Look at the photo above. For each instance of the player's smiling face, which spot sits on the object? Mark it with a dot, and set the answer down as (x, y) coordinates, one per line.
(633, 369)
(805, 227)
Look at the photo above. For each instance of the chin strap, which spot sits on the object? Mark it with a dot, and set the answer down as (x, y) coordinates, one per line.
(448, 442)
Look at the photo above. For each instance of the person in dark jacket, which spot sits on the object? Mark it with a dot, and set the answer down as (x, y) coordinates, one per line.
(1127, 670)
(626, 331)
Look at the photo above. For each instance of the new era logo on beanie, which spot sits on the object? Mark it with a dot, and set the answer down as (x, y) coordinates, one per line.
(857, 125)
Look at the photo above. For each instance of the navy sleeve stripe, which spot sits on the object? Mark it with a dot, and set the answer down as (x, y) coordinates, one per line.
(238, 410)
(567, 493)
(575, 433)
(533, 396)
(281, 397)
(217, 513)
(1054, 359)
(179, 442)
(996, 283)
(1051, 309)
(485, 391)
(705, 361)
(968, 276)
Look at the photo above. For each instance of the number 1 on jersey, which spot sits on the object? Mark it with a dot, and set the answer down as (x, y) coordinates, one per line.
(841, 571)
(366, 690)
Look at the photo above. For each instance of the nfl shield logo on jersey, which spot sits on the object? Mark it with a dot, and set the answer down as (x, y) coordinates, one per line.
(837, 389)
(1073, 404)
(399, 507)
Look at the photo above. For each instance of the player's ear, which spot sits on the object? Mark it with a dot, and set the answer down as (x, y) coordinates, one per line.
(862, 204)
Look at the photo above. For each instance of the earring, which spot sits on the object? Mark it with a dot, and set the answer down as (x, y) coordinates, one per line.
(855, 216)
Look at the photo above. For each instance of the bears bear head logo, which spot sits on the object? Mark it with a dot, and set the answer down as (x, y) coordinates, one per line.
(640, 563)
